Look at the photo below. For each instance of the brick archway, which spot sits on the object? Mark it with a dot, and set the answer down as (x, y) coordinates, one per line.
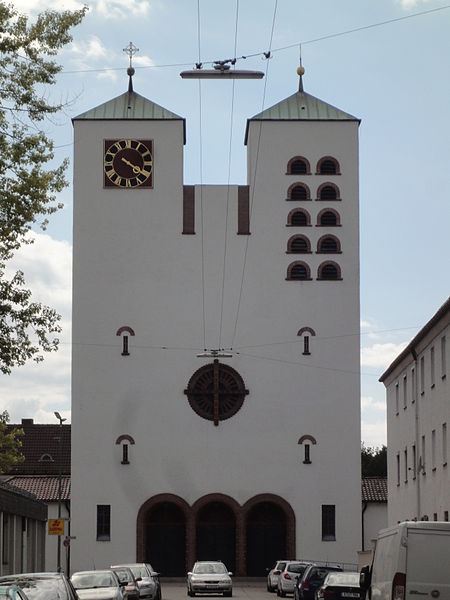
(191, 515)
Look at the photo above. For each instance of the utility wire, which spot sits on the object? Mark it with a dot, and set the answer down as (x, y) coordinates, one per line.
(253, 183)
(274, 50)
(228, 183)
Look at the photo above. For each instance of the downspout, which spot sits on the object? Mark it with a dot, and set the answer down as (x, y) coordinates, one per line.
(419, 459)
(67, 505)
(362, 526)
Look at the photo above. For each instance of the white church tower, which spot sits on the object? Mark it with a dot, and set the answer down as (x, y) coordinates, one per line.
(248, 455)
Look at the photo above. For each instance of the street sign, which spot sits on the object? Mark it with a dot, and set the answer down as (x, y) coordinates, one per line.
(56, 527)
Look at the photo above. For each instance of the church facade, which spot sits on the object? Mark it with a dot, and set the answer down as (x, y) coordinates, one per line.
(215, 383)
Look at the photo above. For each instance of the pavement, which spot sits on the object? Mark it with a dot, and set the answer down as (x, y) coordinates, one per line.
(243, 589)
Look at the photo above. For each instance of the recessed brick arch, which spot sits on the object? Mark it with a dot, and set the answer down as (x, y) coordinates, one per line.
(289, 515)
(146, 507)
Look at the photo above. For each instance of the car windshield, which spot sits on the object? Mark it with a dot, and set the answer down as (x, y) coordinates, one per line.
(209, 568)
(351, 579)
(296, 568)
(99, 579)
(123, 575)
(139, 571)
(42, 589)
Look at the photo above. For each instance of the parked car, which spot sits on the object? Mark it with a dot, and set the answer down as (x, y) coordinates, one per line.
(273, 574)
(292, 571)
(147, 579)
(410, 560)
(311, 581)
(12, 592)
(97, 585)
(42, 586)
(209, 576)
(128, 583)
(340, 586)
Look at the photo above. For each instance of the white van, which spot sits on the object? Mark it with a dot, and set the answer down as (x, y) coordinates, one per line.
(411, 562)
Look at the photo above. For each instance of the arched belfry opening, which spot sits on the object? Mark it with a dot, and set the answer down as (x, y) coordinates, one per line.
(216, 534)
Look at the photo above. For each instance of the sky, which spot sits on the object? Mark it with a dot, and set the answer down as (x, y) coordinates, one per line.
(371, 58)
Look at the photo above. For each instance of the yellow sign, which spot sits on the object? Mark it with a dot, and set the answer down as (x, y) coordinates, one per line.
(56, 527)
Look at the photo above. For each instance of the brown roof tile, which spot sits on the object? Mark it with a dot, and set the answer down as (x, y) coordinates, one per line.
(44, 487)
(374, 489)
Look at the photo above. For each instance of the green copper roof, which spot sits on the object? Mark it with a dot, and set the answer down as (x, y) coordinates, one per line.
(127, 107)
(301, 107)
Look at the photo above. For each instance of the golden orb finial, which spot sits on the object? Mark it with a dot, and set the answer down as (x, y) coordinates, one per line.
(300, 71)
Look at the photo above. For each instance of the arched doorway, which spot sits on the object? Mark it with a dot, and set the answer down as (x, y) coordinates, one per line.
(266, 537)
(216, 534)
(165, 539)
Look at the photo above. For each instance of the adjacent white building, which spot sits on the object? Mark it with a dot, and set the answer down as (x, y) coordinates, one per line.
(418, 417)
(179, 453)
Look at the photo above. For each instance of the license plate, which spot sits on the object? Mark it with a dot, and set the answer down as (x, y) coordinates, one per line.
(211, 586)
(350, 595)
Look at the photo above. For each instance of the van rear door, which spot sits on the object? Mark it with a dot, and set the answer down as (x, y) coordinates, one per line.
(427, 564)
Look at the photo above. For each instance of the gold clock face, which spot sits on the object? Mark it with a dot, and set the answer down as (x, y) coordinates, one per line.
(128, 163)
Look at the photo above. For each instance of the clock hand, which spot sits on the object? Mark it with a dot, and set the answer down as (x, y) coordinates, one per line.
(135, 168)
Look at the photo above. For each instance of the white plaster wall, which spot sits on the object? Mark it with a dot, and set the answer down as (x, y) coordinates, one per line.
(51, 541)
(375, 518)
(426, 491)
(133, 267)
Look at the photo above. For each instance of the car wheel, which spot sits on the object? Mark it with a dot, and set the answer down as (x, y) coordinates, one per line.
(278, 592)
(282, 594)
(228, 594)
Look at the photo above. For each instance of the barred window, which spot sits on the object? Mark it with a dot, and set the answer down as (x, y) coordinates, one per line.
(328, 522)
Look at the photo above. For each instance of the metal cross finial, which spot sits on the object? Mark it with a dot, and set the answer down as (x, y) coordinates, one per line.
(131, 51)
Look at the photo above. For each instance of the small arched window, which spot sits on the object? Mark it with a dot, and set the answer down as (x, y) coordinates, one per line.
(298, 271)
(328, 244)
(299, 218)
(298, 244)
(328, 191)
(328, 165)
(306, 441)
(46, 458)
(329, 271)
(328, 218)
(125, 440)
(298, 166)
(299, 191)
(125, 331)
(305, 333)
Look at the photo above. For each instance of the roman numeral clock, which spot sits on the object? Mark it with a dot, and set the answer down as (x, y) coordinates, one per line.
(128, 163)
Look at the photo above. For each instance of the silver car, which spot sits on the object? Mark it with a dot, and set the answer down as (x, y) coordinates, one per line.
(293, 570)
(272, 576)
(147, 579)
(209, 576)
(97, 585)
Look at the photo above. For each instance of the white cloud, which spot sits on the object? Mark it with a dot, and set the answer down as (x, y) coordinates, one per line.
(380, 355)
(412, 3)
(90, 48)
(143, 61)
(121, 9)
(368, 404)
(36, 390)
(374, 434)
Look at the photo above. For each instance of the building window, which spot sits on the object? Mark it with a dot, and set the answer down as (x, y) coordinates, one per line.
(5, 539)
(306, 441)
(328, 165)
(443, 357)
(444, 444)
(299, 218)
(103, 522)
(305, 332)
(329, 271)
(433, 449)
(398, 468)
(299, 191)
(124, 332)
(328, 244)
(414, 461)
(405, 456)
(413, 385)
(125, 440)
(298, 271)
(328, 191)
(298, 166)
(46, 458)
(405, 392)
(397, 403)
(328, 218)
(328, 522)
(422, 375)
(298, 244)
(445, 515)
(423, 462)
(432, 366)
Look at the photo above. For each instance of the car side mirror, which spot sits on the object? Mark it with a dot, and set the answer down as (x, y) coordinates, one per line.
(230, 573)
(189, 572)
(138, 578)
